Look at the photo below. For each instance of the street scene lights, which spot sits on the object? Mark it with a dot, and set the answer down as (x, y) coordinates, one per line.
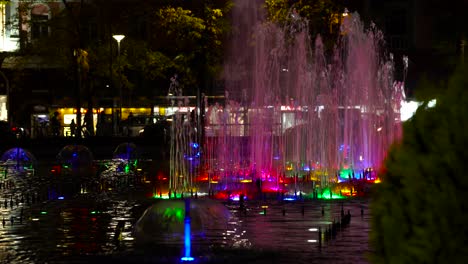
(119, 38)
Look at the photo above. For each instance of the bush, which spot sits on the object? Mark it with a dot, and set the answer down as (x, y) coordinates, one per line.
(420, 208)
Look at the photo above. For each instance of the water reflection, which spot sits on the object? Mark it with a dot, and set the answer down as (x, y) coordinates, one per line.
(99, 225)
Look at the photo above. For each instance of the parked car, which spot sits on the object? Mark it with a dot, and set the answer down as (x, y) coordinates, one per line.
(160, 129)
(135, 126)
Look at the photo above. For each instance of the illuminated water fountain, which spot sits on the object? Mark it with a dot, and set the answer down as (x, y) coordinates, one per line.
(184, 146)
(126, 151)
(18, 158)
(17, 162)
(75, 157)
(75, 169)
(294, 114)
(164, 222)
(122, 167)
(296, 117)
(125, 158)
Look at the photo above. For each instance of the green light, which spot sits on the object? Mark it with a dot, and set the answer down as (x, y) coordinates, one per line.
(163, 197)
(43, 212)
(326, 195)
(127, 168)
(177, 214)
(180, 214)
(346, 173)
(65, 166)
(93, 212)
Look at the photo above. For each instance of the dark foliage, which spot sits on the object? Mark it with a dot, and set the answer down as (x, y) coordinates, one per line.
(420, 209)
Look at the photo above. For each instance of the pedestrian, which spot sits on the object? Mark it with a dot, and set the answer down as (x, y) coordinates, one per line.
(88, 124)
(55, 124)
(72, 127)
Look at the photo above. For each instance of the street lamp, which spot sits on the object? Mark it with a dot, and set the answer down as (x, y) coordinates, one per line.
(119, 38)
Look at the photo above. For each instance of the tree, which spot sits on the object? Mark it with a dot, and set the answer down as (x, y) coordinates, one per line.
(177, 37)
(180, 33)
(78, 57)
(56, 40)
(419, 209)
(324, 16)
(72, 40)
(190, 40)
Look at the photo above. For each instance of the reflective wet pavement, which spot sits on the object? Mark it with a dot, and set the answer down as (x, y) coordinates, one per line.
(81, 228)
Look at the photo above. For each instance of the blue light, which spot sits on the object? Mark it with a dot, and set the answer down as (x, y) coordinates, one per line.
(289, 199)
(74, 154)
(343, 147)
(195, 145)
(306, 168)
(187, 239)
(60, 198)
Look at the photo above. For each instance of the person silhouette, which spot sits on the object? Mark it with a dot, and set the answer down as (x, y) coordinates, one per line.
(55, 124)
(72, 128)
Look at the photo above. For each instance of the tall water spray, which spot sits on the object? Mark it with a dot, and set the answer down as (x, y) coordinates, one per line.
(290, 109)
(184, 149)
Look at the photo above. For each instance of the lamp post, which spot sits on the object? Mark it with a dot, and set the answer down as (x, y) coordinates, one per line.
(119, 38)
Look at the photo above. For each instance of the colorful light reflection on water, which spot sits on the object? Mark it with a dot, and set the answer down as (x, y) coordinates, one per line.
(83, 226)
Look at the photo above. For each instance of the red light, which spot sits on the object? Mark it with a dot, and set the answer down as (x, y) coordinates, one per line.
(55, 169)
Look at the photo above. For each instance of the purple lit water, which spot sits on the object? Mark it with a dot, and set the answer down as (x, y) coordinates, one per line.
(291, 109)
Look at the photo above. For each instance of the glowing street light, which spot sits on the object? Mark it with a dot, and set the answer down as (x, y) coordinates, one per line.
(119, 38)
